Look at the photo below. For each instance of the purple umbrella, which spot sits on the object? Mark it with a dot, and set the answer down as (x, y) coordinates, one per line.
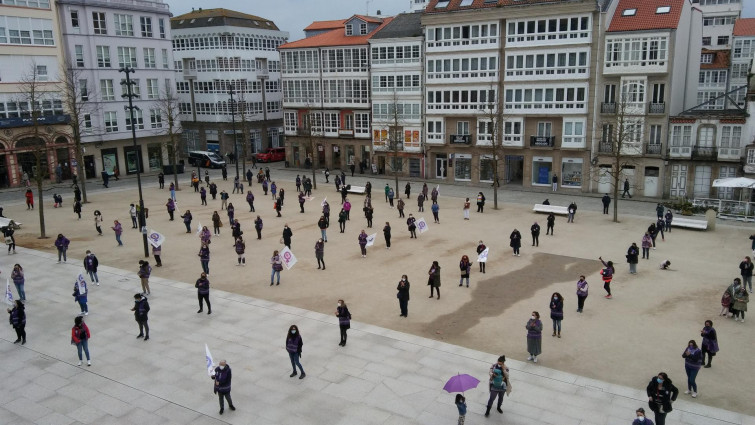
(461, 383)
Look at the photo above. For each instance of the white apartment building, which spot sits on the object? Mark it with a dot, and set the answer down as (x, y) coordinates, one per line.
(742, 55)
(718, 21)
(217, 50)
(397, 91)
(101, 37)
(30, 49)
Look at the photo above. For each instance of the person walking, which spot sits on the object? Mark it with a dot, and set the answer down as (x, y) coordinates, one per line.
(741, 298)
(250, 200)
(287, 235)
(607, 275)
(693, 360)
(535, 231)
(534, 336)
(626, 189)
(98, 222)
(465, 209)
(606, 202)
(554, 182)
(344, 320)
(550, 222)
(203, 293)
(30, 199)
(294, 344)
(118, 229)
(141, 315)
(320, 253)
(258, 227)
(647, 242)
(240, 247)
(434, 279)
(216, 223)
(632, 258)
(17, 276)
(145, 270)
(204, 258)
(582, 291)
(90, 266)
(222, 385)
(387, 235)
(278, 206)
(277, 266)
(187, 220)
(435, 208)
(745, 269)
(362, 240)
(498, 384)
(80, 337)
(653, 232)
(480, 202)
(81, 298)
(465, 267)
(412, 226)
(342, 220)
(709, 344)
(661, 393)
(77, 208)
(213, 188)
(391, 195)
(61, 243)
(403, 296)
(17, 319)
(557, 312)
(515, 241)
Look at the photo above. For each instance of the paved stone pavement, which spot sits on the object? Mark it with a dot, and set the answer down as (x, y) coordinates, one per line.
(380, 377)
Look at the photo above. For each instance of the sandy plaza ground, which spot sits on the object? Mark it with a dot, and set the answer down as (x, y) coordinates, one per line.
(626, 340)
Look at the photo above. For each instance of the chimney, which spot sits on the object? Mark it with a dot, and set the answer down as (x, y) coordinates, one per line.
(378, 12)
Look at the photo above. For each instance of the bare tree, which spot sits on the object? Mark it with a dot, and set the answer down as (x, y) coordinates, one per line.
(492, 128)
(167, 105)
(394, 144)
(242, 113)
(309, 130)
(76, 95)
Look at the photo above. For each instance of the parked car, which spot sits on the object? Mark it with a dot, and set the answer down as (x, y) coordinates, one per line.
(271, 155)
(206, 159)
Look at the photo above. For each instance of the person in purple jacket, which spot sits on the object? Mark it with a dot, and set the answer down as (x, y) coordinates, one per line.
(118, 229)
(222, 386)
(171, 206)
(557, 312)
(693, 360)
(204, 258)
(203, 293)
(62, 244)
(294, 343)
(250, 200)
(362, 239)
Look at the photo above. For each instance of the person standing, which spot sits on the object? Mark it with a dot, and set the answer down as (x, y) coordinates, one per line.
(326, 213)
(320, 253)
(557, 312)
(278, 206)
(741, 298)
(277, 266)
(607, 274)
(203, 293)
(670, 217)
(709, 344)
(515, 241)
(647, 242)
(240, 247)
(582, 290)
(387, 235)
(90, 265)
(327, 175)
(77, 208)
(157, 252)
(461, 406)
(420, 202)
(17, 319)
(435, 208)
(132, 214)
(551, 221)
(572, 210)
(659, 211)
(141, 312)
(216, 224)
(347, 208)
(204, 258)
(344, 320)
(745, 269)
(480, 248)
(230, 210)
(17, 276)
(222, 385)
(465, 267)
(187, 220)
(80, 337)
(554, 182)
(172, 189)
(287, 235)
(661, 393)
(387, 189)
(118, 229)
(98, 222)
(203, 195)
(412, 226)
(633, 258)
(81, 298)
(144, 272)
(258, 227)
(342, 220)
(653, 232)
(480, 202)
(403, 295)
(61, 243)
(161, 180)
(224, 199)
(250, 200)
(391, 195)
(298, 183)
(693, 360)
(626, 189)
(30, 199)
(368, 213)
(434, 279)
(362, 239)
(467, 204)
(408, 190)
(535, 230)
(534, 336)
(606, 202)
(301, 202)
(294, 344)
(498, 384)
(171, 206)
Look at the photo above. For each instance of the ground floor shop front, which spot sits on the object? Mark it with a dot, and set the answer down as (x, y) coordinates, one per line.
(322, 152)
(20, 146)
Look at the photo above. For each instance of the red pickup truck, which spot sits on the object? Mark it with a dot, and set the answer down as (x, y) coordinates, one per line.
(271, 155)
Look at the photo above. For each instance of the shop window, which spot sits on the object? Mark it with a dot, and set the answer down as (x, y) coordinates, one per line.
(571, 172)
(463, 168)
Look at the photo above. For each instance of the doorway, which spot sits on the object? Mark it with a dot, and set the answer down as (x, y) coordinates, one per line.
(441, 165)
(514, 169)
(604, 179)
(678, 181)
(89, 169)
(651, 181)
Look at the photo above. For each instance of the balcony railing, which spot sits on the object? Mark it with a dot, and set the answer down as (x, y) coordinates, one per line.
(463, 139)
(608, 108)
(657, 108)
(653, 149)
(28, 121)
(704, 152)
(542, 141)
(605, 147)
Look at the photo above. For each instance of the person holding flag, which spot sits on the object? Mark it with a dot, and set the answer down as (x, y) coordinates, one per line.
(363, 243)
(17, 317)
(222, 386)
(481, 248)
(80, 294)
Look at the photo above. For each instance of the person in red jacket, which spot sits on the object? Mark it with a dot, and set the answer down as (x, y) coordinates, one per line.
(29, 199)
(80, 337)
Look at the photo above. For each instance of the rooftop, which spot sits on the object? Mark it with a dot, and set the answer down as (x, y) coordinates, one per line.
(440, 6)
(220, 17)
(744, 27)
(403, 25)
(720, 59)
(337, 36)
(642, 15)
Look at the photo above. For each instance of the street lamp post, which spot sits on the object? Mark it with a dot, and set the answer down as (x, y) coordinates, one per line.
(233, 127)
(130, 108)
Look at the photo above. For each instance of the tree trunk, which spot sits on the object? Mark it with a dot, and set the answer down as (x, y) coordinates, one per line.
(82, 177)
(616, 179)
(40, 195)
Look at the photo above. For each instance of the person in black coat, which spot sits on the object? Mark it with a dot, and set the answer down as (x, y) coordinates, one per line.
(287, 234)
(551, 221)
(516, 241)
(480, 248)
(387, 235)
(222, 386)
(141, 310)
(17, 319)
(403, 296)
(606, 203)
(535, 230)
(344, 320)
(661, 393)
(633, 254)
(203, 293)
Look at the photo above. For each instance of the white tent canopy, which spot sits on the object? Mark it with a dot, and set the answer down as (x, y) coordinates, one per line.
(740, 182)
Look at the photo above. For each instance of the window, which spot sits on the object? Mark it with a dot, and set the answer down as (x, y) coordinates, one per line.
(149, 58)
(152, 88)
(124, 25)
(331, 122)
(290, 122)
(435, 130)
(37, 4)
(633, 92)
(731, 136)
(79, 53)
(146, 24)
(138, 119)
(161, 27)
(662, 9)
(573, 64)
(706, 58)
(723, 40)
(98, 23)
(462, 128)
(362, 126)
(574, 132)
(656, 133)
(103, 56)
(87, 123)
(75, 19)
(111, 122)
(349, 29)
(751, 156)
(569, 98)
(41, 73)
(83, 90)
(165, 59)
(127, 57)
(706, 41)
(512, 132)
(636, 51)
(106, 90)
(628, 12)
(136, 89)
(544, 129)
(362, 29)
(484, 132)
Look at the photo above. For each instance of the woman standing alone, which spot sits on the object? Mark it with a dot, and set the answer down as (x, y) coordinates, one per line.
(582, 289)
(693, 359)
(534, 336)
(344, 320)
(294, 344)
(557, 312)
(403, 296)
(710, 342)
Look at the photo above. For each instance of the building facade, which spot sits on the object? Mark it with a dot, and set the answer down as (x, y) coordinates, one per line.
(217, 50)
(101, 37)
(31, 56)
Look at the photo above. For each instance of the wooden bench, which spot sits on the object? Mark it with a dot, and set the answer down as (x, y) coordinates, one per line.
(5, 222)
(360, 190)
(689, 223)
(555, 209)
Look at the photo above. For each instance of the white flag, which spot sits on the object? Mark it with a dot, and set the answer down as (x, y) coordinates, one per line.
(8, 293)
(437, 189)
(422, 225)
(210, 363)
(322, 204)
(82, 284)
(154, 238)
(199, 228)
(483, 256)
(288, 258)
(371, 239)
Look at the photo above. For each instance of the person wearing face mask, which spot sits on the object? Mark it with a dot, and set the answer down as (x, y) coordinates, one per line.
(661, 393)
(641, 419)
(534, 336)
(293, 346)
(693, 360)
(710, 342)
(344, 320)
(498, 384)
(557, 312)
(319, 252)
(582, 290)
(403, 296)
(203, 293)
(222, 386)
(287, 235)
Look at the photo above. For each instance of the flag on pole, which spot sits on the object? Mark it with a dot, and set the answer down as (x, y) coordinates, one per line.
(82, 284)
(288, 258)
(483, 256)
(199, 228)
(8, 294)
(155, 238)
(422, 225)
(210, 363)
(322, 204)
(437, 189)
(371, 239)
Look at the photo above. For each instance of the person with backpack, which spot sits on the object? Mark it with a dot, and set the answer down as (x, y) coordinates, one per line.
(80, 338)
(141, 312)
